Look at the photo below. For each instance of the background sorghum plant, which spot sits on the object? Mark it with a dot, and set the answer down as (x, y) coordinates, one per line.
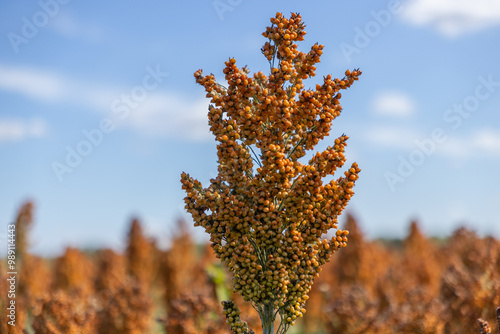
(74, 272)
(141, 257)
(111, 270)
(24, 221)
(267, 212)
(125, 310)
(179, 265)
(63, 313)
(395, 298)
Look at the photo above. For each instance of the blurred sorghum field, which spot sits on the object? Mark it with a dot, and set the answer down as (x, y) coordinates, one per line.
(415, 285)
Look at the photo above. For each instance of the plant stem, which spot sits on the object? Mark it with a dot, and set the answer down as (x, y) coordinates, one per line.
(267, 319)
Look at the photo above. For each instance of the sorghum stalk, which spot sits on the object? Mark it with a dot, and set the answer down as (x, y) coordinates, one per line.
(267, 318)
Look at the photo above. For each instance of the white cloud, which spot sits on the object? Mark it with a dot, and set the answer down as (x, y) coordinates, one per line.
(391, 137)
(171, 115)
(481, 143)
(50, 86)
(487, 141)
(32, 82)
(453, 17)
(393, 104)
(159, 114)
(18, 129)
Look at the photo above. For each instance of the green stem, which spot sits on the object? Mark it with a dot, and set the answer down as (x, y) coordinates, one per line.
(267, 319)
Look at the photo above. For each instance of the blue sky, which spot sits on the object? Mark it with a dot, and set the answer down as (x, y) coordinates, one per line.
(100, 113)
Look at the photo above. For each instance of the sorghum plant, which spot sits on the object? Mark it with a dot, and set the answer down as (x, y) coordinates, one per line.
(267, 212)
(140, 255)
(179, 265)
(24, 221)
(111, 270)
(74, 272)
(126, 310)
(498, 318)
(484, 327)
(194, 314)
(64, 313)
